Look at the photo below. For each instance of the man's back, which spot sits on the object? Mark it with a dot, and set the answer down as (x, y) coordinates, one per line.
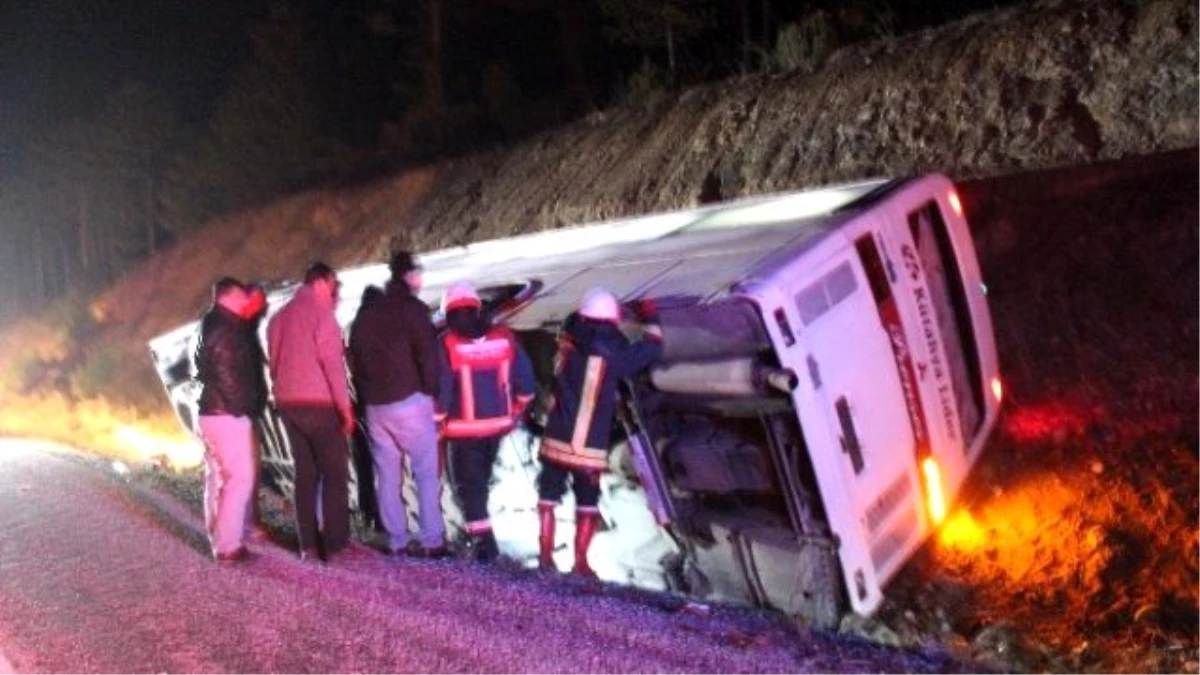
(392, 343)
(305, 351)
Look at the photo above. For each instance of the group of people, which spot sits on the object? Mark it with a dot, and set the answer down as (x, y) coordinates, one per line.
(468, 386)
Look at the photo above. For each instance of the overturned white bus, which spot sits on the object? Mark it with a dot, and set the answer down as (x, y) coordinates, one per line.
(829, 379)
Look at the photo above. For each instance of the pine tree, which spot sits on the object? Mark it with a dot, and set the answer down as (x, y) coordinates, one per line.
(267, 135)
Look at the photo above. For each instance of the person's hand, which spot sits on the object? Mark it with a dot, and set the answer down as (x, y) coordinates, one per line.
(519, 406)
(535, 422)
(347, 417)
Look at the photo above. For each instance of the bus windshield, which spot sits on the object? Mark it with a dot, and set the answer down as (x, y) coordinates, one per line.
(935, 250)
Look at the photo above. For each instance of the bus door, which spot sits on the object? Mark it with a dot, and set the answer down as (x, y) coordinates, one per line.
(853, 411)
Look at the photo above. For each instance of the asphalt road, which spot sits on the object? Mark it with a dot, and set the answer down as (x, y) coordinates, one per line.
(99, 574)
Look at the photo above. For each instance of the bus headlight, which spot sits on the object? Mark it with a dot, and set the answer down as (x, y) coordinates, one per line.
(935, 496)
(955, 203)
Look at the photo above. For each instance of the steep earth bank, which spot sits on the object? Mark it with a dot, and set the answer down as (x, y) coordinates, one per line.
(1049, 84)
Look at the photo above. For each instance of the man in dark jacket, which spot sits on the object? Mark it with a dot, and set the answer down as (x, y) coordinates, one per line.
(308, 379)
(486, 382)
(228, 365)
(593, 356)
(393, 356)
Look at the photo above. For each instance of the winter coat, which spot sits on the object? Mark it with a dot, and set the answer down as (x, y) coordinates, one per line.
(304, 345)
(393, 348)
(593, 356)
(486, 380)
(227, 362)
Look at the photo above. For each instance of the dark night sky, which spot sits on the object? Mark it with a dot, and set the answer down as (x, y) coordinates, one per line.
(59, 57)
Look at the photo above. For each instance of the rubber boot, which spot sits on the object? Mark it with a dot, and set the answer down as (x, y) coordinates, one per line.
(486, 549)
(546, 537)
(585, 529)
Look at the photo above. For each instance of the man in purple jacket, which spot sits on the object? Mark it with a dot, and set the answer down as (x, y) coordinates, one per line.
(308, 376)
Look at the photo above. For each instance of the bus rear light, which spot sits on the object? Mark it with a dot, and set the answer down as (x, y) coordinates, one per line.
(997, 389)
(935, 496)
(955, 203)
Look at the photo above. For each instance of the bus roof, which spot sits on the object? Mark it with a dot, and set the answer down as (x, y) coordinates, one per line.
(686, 256)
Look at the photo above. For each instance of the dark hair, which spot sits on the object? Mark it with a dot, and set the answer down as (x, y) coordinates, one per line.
(402, 263)
(224, 285)
(370, 294)
(318, 271)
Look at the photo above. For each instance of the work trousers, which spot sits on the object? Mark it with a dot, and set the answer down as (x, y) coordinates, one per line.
(585, 483)
(471, 461)
(407, 427)
(229, 477)
(321, 456)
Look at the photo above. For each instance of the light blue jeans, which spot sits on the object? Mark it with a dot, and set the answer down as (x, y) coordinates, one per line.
(407, 427)
(229, 476)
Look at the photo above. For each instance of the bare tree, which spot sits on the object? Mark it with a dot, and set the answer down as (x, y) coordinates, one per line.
(655, 24)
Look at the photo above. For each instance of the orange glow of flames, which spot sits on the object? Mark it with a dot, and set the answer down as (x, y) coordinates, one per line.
(103, 429)
(176, 450)
(1029, 532)
(962, 532)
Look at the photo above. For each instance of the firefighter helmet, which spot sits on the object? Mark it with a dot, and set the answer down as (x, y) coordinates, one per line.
(460, 294)
(600, 305)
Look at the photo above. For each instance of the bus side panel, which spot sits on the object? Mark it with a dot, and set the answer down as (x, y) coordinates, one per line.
(853, 415)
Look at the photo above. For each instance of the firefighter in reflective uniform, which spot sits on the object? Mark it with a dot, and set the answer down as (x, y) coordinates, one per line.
(485, 385)
(593, 356)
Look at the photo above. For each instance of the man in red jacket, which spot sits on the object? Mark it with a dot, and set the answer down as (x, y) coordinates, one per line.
(593, 356)
(308, 378)
(486, 382)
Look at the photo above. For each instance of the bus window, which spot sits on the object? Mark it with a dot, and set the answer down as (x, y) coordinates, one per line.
(935, 251)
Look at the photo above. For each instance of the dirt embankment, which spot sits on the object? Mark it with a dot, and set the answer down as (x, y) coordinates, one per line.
(1048, 84)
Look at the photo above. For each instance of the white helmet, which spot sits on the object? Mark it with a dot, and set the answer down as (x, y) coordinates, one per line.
(600, 305)
(460, 294)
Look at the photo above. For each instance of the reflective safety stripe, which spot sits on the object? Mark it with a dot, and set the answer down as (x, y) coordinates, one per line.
(478, 526)
(588, 398)
(505, 388)
(494, 352)
(481, 428)
(563, 454)
(467, 384)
